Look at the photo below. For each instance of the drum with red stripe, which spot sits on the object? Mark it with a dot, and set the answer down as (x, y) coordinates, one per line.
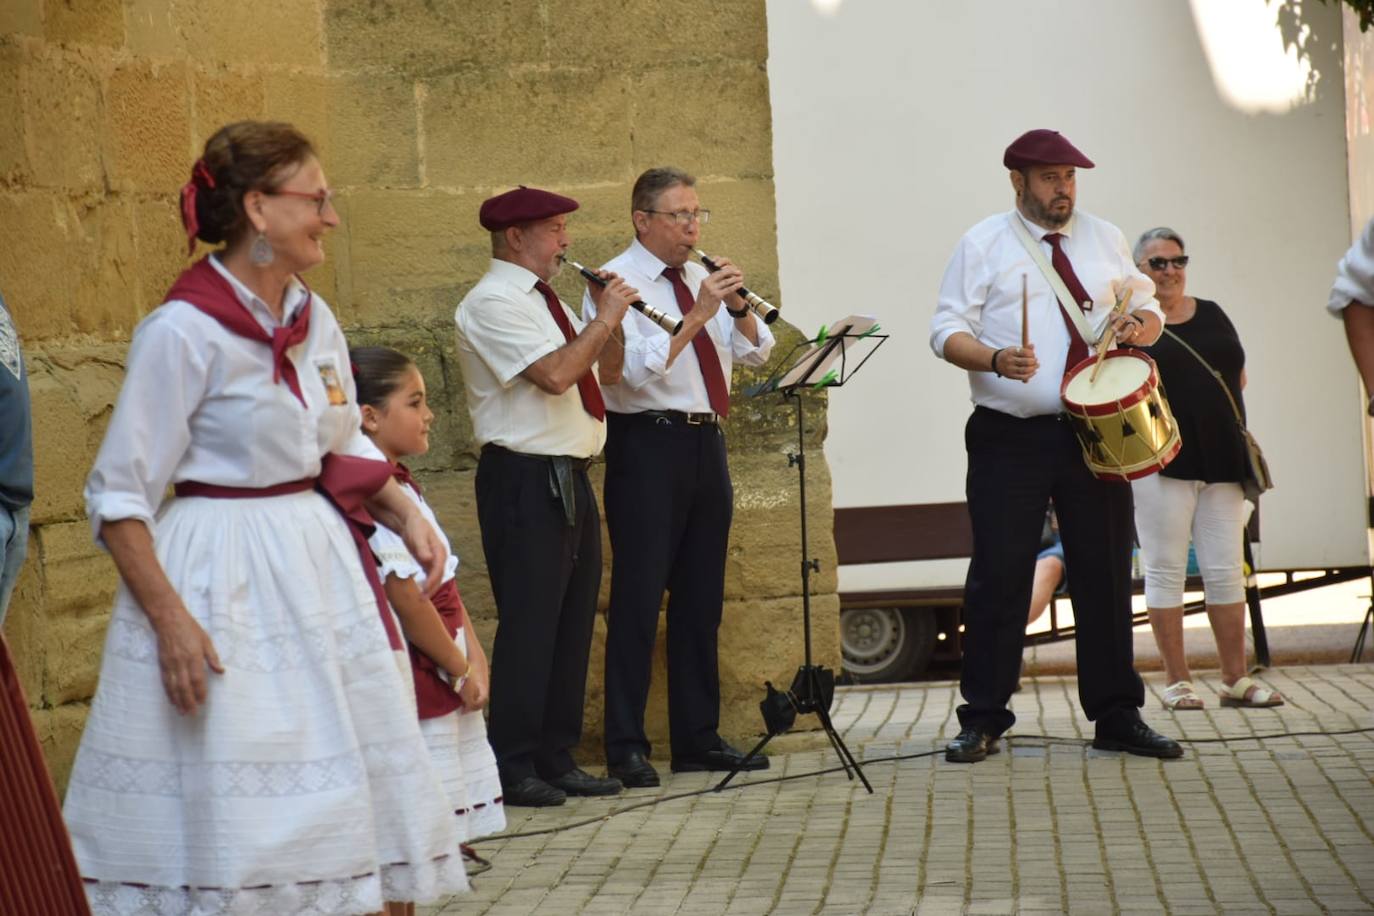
(1120, 415)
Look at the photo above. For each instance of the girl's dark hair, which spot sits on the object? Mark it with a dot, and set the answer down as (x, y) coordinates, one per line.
(242, 157)
(378, 372)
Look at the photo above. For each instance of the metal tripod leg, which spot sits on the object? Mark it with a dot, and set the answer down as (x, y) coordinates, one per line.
(1365, 628)
(846, 757)
(753, 752)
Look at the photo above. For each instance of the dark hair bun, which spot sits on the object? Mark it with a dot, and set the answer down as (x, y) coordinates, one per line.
(242, 157)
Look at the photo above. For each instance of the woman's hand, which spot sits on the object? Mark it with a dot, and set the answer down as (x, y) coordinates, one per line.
(184, 651)
(427, 548)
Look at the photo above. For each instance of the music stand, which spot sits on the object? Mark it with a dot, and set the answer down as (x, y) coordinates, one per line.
(823, 363)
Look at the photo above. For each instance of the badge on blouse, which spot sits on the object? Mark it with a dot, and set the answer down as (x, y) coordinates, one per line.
(329, 378)
(9, 344)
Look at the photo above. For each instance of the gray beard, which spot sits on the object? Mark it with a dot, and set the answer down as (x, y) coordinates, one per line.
(1041, 216)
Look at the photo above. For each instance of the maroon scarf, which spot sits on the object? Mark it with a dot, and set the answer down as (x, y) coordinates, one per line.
(206, 289)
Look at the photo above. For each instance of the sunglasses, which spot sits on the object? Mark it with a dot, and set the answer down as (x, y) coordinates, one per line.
(1179, 262)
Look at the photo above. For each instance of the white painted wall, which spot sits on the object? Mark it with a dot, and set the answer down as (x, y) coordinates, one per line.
(889, 122)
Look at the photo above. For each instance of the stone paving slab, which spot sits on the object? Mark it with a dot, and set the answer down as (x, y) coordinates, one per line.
(1244, 823)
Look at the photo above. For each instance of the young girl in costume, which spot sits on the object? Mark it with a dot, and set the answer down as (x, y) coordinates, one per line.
(449, 666)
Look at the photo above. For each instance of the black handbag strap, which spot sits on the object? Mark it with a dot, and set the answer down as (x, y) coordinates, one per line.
(1240, 421)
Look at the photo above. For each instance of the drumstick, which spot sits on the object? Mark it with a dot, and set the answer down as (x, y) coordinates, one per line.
(1025, 327)
(1106, 340)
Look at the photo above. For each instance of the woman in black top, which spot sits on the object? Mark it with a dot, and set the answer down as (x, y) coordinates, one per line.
(1199, 494)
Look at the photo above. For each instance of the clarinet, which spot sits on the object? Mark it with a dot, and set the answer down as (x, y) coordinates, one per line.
(666, 322)
(766, 311)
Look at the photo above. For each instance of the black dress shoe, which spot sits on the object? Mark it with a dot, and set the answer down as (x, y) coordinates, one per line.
(722, 758)
(579, 782)
(1136, 738)
(634, 771)
(971, 745)
(532, 792)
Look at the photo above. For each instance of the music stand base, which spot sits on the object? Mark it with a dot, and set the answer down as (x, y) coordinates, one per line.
(847, 758)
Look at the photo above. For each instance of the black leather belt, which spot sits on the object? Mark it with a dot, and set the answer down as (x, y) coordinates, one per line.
(678, 416)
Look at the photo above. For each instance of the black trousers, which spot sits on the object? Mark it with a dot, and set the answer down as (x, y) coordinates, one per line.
(545, 575)
(668, 507)
(1015, 466)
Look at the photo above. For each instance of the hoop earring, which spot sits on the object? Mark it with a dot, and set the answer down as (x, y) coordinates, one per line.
(261, 254)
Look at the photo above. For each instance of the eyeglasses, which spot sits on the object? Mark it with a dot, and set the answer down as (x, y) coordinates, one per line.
(685, 217)
(1179, 262)
(322, 198)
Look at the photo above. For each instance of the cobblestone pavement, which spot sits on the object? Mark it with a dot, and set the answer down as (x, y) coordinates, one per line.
(1242, 824)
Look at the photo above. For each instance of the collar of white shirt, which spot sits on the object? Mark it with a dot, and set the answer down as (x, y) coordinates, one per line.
(522, 278)
(296, 297)
(646, 262)
(1039, 232)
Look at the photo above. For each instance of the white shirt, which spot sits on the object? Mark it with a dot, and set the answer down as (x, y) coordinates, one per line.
(648, 383)
(198, 403)
(1355, 274)
(393, 557)
(504, 326)
(981, 295)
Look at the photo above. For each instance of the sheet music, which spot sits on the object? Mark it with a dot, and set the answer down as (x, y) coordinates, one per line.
(819, 358)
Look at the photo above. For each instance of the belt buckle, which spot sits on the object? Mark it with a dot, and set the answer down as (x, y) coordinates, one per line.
(696, 419)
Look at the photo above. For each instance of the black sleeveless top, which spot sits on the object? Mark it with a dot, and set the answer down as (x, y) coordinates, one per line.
(1212, 450)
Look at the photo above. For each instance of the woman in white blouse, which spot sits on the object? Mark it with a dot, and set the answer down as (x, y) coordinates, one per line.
(252, 746)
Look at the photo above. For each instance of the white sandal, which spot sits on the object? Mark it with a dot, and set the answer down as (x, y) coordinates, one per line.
(1180, 695)
(1250, 694)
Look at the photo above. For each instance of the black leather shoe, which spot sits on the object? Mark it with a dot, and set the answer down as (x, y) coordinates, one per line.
(971, 745)
(722, 758)
(1137, 738)
(532, 792)
(579, 782)
(634, 771)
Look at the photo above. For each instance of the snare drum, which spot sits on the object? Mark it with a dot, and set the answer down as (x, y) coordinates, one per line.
(1122, 420)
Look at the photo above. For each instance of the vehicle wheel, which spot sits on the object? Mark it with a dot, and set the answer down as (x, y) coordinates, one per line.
(886, 644)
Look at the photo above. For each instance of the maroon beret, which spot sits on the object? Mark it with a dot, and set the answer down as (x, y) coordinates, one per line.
(523, 205)
(1043, 147)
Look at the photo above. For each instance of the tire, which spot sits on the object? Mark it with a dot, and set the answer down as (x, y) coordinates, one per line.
(886, 644)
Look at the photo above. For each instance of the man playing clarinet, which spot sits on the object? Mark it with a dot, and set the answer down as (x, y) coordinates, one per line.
(668, 494)
(538, 415)
(1022, 453)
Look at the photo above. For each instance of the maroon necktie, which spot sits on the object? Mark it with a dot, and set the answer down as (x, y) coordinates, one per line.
(1078, 348)
(586, 385)
(717, 392)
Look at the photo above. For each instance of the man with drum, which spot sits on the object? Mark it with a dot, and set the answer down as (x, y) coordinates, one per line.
(1021, 453)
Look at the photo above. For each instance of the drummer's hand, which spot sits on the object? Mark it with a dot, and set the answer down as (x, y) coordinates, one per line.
(1129, 329)
(1018, 363)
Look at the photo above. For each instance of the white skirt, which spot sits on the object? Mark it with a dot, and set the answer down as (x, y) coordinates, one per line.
(302, 784)
(458, 745)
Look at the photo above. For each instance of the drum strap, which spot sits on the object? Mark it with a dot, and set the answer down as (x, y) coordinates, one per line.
(1076, 316)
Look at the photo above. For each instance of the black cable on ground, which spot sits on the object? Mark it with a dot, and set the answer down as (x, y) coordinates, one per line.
(894, 758)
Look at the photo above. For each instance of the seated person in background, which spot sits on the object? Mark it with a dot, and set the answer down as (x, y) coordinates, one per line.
(1050, 576)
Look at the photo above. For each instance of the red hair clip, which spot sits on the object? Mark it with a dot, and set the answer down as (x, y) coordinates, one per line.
(200, 179)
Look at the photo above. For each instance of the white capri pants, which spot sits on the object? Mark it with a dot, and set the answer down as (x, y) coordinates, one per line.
(1167, 511)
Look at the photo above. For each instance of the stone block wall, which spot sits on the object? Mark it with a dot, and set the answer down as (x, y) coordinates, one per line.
(420, 110)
